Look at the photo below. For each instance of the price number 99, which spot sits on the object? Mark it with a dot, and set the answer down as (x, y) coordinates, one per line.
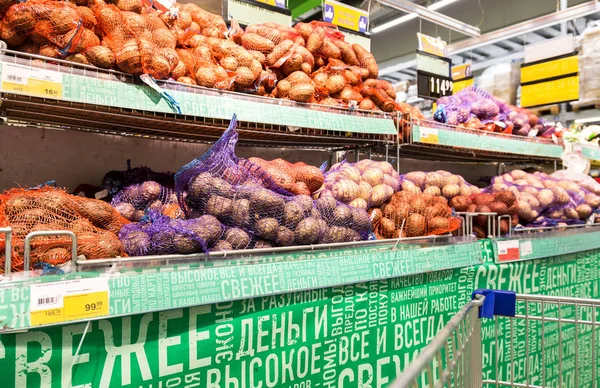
(93, 306)
(442, 87)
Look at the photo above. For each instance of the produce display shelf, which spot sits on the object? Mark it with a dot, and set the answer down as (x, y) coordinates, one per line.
(438, 141)
(589, 151)
(39, 91)
(537, 243)
(129, 286)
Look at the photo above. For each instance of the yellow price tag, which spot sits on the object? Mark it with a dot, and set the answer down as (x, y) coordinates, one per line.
(83, 306)
(68, 300)
(44, 88)
(31, 80)
(429, 135)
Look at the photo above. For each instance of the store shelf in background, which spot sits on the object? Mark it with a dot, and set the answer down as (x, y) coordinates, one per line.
(589, 151)
(72, 96)
(195, 282)
(449, 142)
(540, 244)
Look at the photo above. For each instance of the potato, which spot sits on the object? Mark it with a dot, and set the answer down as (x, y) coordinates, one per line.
(416, 225)
(345, 190)
(307, 231)
(482, 220)
(460, 203)
(335, 83)
(267, 228)
(359, 203)
(418, 178)
(388, 228)
(432, 190)
(373, 176)
(410, 187)
(380, 194)
(584, 211)
(439, 225)
(498, 207)
(450, 190)
(302, 92)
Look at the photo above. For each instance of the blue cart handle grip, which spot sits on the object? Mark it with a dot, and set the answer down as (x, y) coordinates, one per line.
(496, 302)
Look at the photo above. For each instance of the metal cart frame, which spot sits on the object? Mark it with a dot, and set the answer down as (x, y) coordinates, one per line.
(454, 357)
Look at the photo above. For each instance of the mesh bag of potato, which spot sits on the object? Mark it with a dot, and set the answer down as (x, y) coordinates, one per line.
(134, 201)
(54, 29)
(94, 222)
(412, 215)
(162, 235)
(503, 203)
(437, 183)
(363, 185)
(296, 178)
(255, 210)
(543, 200)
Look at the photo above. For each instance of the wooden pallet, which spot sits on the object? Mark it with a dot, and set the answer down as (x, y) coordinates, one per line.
(577, 106)
(546, 110)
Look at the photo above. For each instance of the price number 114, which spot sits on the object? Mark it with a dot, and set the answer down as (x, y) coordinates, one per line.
(440, 86)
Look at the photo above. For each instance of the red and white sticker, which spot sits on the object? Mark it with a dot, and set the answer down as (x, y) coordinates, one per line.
(508, 250)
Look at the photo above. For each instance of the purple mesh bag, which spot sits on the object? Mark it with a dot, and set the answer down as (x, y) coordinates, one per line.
(157, 234)
(255, 211)
(134, 201)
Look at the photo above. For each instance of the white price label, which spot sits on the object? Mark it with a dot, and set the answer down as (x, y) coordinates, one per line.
(526, 248)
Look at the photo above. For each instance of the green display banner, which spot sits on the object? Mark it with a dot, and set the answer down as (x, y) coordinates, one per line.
(205, 103)
(588, 151)
(359, 335)
(161, 288)
(484, 142)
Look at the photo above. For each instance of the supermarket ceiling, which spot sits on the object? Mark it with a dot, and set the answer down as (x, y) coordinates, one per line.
(394, 47)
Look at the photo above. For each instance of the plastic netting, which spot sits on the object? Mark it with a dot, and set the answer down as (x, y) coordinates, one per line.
(296, 178)
(363, 185)
(475, 108)
(54, 25)
(115, 181)
(503, 203)
(45, 209)
(413, 215)
(135, 201)
(244, 198)
(543, 200)
(438, 183)
(158, 234)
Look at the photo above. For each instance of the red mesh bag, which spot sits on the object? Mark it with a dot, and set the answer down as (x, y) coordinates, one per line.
(94, 222)
(413, 215)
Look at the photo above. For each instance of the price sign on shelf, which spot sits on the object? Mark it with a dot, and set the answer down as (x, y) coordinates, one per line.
(509, 250)
(31, 81)
(69, 300)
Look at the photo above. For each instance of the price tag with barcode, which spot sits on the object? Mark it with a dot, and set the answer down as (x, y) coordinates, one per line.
(68, 300)
(429, 135)
(508, 250)
(31, 81)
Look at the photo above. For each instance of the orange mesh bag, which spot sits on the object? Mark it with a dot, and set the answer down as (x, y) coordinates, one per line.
(209, 23)
(94, 222)
(58, 23)
(413, 215)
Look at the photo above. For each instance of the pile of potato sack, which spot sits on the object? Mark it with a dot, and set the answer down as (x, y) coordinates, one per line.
(309, 63)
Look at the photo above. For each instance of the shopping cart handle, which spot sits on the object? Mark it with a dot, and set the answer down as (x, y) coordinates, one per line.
(496, 302)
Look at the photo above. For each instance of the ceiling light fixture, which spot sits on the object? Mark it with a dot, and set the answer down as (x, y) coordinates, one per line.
(410, 16)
